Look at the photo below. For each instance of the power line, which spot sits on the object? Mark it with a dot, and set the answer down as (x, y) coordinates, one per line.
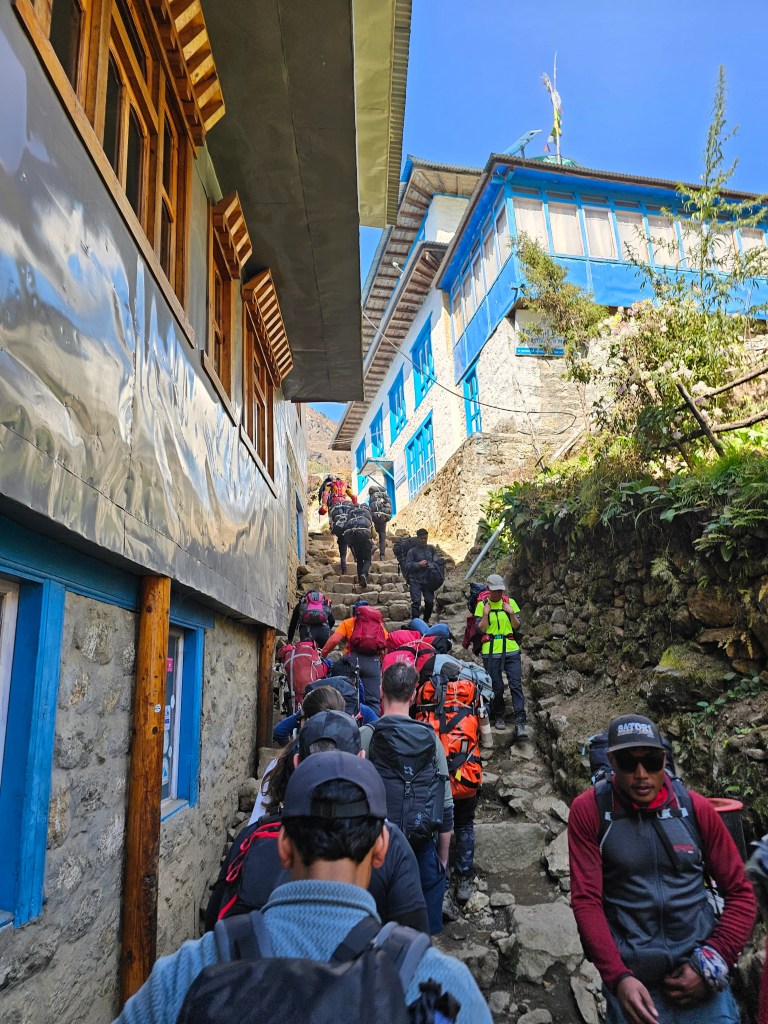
(476, 401)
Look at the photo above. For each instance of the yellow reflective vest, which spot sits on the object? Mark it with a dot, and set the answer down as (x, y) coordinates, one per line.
(499, 639)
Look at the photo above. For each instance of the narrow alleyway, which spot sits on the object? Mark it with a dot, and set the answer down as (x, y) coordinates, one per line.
(516, 933)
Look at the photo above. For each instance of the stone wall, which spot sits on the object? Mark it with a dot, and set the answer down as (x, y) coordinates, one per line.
(636, 621)
(63, 967)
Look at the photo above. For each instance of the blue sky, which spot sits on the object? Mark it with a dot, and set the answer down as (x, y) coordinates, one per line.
(636, 78)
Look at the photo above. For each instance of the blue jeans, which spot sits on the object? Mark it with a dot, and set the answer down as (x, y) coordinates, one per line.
(433, 878)
(509, 664)
(464, 834)
(720, 1009)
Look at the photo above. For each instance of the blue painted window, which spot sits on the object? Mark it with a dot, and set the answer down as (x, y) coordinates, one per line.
(420, 458)
(423, 366)
(299, 528)
(359, 463)
(377, 435)
(397, 415)
(30, 639)
(181, 738)
(472, 410)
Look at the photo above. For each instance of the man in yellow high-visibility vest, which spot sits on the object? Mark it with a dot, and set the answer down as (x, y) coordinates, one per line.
(497, 618)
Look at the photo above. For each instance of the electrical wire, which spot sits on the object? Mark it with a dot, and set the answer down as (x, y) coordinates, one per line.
(476, 401)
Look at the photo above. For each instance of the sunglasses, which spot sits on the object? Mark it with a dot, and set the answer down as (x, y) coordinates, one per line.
(627, 762)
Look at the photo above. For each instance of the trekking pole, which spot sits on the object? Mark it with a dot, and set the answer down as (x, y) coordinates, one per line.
(488, 545)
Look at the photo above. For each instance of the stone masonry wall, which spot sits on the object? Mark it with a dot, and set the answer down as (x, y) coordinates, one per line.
(63, 967)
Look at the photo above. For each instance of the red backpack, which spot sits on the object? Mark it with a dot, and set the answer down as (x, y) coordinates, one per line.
(472, 636)
(368, 635)
(314, 609)
(410, 646)
(303, 665)
(451, 707)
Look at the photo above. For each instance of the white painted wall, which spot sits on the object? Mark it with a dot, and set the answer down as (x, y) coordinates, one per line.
(443, 217)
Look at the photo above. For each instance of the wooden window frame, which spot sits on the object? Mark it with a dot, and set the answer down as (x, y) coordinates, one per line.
(259, 391)
(218, 360)
(161, 93)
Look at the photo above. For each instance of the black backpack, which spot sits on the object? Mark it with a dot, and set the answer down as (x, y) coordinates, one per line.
(403, 752)
(600, 766)
(473, 597)
(380, 505)
(432, 577)
(358, 522)
(366, 979)
(338, 515)
(400, 549)
(244, 882)
(348, 690)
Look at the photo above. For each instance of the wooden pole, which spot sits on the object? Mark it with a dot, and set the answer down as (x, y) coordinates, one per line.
(264, 691)
(142, 825)
(700, 419)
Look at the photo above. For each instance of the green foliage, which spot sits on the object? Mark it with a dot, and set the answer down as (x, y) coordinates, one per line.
(707, 720)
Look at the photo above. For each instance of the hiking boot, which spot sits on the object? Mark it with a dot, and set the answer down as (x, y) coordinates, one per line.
(363, 580)
(499, 722)
(463, 888)
(450, 911)
(521, 731)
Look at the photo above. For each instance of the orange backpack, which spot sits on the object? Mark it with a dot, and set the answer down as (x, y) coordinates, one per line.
(451, 707)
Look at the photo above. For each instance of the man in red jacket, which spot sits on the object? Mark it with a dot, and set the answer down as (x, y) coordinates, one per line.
(638, 843)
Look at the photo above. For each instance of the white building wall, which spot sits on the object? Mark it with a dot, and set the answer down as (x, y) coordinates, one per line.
(443, 217)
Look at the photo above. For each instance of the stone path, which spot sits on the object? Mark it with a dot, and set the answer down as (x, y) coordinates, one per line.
(516, 933)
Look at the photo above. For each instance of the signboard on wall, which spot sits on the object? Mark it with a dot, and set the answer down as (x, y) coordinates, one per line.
(539, 350)
(399, 471)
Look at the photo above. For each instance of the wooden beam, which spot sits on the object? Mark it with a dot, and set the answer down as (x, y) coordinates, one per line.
(142, 823)
(264, 701)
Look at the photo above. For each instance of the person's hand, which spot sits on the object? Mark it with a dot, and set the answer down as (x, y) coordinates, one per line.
(685, 987)
(423, 563)
(636, 1002)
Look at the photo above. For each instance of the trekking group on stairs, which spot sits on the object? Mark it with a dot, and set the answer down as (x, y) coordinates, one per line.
(326, 900)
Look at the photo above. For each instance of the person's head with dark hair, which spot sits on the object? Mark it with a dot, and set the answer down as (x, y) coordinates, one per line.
(398, 683)
(333, 820)
(330, 730)
(422, 534)
(323, 698)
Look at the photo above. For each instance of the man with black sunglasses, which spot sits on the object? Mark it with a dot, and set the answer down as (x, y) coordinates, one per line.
(638, 844)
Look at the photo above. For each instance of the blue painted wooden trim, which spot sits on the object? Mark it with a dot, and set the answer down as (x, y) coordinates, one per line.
(194, 682)
(186, 612)
(47, 603)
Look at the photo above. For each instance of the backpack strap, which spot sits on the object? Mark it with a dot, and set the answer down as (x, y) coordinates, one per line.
(405, 947)
(244, 937)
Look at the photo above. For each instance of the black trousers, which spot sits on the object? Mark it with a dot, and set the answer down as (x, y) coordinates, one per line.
(382, 534)
(417, 592)
(361, 546)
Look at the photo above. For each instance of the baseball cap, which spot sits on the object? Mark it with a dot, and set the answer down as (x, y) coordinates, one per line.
(496, 582)
(332, 766)
(633, 731)
(329, 725)
(361, 603)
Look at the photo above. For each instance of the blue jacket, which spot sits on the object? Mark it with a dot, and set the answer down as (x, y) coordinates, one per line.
(305, 919)
(284, 730)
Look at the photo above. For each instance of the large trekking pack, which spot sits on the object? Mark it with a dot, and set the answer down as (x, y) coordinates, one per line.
(452, 708)
(338, 515)
(368, 636)
(472, 636)
(366, 978)
(358, 524)
(432, 576)
(403, 752)
(380, 505)
(400, 549)
(410, 646)
(315, 609)
(303, 665)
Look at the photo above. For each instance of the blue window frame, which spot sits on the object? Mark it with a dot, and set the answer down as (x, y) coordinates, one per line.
(359, 463)
(377, 434)
(397, 416)
(299, 528)
(423, 366)
(420, 458)
(472, 410)
(181, 739)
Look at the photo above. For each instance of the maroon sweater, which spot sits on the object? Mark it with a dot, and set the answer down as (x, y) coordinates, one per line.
(723, 864)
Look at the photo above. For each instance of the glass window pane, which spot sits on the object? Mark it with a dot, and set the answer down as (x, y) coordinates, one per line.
(724, 246)
(503, 238)
(466, 292)
(9, 593)
(600, 237)
(112, 116)
(566, 232)
(752, 238)
(666, 251)
(489, 258)
(631, 234)
(133, 35)
(168, 153)
(166, 240)
(66, 18)
(529, 217)
(477, 277)
(458, 317)
(134, 162)
(172, 719)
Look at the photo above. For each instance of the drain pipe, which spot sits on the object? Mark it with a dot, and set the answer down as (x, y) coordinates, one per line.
(488, 545)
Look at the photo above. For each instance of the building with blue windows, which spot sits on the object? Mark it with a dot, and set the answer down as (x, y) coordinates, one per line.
(448, 364)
